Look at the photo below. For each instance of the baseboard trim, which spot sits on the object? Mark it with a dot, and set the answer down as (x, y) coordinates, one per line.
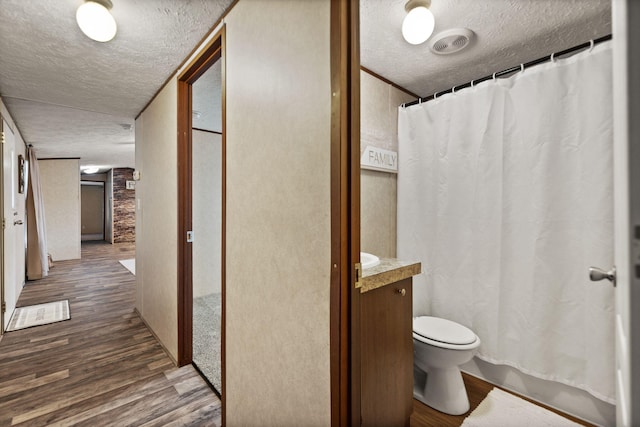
(173, 360)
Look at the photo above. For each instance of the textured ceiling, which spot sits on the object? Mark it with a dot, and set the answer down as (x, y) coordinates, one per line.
(70, 96)
(508, 33)
(73, 97)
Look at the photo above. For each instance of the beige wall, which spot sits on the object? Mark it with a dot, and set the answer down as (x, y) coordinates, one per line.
(60, 181)
(207, 212)
(157, 216)
(379, 127)
(278, 223)
(278, 213)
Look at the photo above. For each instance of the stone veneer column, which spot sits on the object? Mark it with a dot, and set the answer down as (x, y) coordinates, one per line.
(124, 207)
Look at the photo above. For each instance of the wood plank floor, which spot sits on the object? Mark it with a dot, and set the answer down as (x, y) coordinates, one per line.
(477, 389)
(102, 367)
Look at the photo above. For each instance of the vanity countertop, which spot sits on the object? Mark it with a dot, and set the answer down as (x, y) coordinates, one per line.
(390, 270)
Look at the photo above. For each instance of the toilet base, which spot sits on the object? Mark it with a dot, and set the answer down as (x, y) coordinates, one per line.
(441, 389)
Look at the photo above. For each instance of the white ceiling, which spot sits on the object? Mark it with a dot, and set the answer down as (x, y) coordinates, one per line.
(73, 97)
(508, 33)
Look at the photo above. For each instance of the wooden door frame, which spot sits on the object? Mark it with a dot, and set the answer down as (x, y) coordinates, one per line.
(210, 54)
(345, 213)
(2, 266)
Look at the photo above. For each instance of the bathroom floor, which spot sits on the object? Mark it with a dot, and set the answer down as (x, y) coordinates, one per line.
(424, 416)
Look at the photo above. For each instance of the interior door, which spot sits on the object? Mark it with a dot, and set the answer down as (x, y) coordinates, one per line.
(206, 217)
(9, 177)
(626, 96)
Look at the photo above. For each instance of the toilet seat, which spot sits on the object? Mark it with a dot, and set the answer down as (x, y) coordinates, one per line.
(443, 333)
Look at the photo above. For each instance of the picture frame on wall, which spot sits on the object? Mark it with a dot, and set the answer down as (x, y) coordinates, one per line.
(21, 173)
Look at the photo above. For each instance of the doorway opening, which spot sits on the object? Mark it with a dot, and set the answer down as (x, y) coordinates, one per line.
(92, 218)
(201, 215)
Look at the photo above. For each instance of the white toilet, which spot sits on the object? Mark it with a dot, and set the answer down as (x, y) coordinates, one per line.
(440, 346)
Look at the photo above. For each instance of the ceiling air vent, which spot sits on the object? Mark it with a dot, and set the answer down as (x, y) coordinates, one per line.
(451, 41)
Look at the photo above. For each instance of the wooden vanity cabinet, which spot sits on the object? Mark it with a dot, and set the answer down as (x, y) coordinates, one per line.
(387, 355)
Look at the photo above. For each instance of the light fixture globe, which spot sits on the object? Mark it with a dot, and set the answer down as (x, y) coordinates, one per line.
(90, 169)
(419, 23)
(95, 20)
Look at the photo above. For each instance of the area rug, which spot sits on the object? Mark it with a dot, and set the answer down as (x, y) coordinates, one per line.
(129, 264)
(502, 409)
(39, 314)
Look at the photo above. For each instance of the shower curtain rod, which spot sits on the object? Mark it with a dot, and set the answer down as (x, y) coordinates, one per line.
(510, 70)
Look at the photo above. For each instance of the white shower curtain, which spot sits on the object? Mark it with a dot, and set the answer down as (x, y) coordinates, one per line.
(505, 196)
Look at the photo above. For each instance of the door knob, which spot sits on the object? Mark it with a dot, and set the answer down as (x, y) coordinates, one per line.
(596, 274)
(17, 222)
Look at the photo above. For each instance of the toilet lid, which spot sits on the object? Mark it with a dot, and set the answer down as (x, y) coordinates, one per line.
(443, 330)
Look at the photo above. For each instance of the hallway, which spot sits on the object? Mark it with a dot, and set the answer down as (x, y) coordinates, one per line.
(101, 367)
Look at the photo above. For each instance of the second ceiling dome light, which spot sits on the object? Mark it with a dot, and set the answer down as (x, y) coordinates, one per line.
(419, 23)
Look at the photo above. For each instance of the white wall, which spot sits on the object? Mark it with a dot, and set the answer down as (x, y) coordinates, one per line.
(60, 182)
(207, 212)
(379, 103)
(278, 94)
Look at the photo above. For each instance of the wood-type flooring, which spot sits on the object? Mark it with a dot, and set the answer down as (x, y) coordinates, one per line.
(103, 367)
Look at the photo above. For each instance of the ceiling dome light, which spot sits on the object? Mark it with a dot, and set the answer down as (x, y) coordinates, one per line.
(419, 23)
(95, 20)
(90, 169)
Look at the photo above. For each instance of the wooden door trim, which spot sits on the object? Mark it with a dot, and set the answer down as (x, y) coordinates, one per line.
(2, 266)
(345, 213)
(212, 53)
